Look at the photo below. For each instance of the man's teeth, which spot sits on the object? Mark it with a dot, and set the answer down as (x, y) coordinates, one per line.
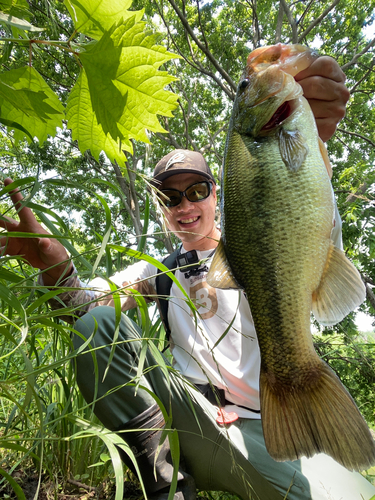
(188, 221)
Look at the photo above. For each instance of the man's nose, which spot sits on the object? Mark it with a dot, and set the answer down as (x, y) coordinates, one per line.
(184, 204)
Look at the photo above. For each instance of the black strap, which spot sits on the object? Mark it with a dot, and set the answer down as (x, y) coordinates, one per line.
(163, 288)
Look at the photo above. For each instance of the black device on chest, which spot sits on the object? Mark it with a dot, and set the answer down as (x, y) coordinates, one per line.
(190, 265)
(187, 259)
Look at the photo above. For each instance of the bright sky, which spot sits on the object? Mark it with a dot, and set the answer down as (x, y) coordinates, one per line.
(363, 322)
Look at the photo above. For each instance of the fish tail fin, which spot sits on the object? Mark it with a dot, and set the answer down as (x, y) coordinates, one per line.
(313, 418)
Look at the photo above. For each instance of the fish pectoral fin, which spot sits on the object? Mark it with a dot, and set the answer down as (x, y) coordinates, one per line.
(324, 153)
(220, 274)
(340, 291)
(293, 148)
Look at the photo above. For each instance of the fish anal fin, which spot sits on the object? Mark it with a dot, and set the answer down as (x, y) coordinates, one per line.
(340, 291)
(324, 153)
(320, 417)
(220, 274)
(293, 148)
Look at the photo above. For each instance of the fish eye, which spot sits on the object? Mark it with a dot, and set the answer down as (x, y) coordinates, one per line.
(244, 84)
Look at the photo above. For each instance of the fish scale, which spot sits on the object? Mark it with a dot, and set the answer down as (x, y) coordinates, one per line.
(277, 210)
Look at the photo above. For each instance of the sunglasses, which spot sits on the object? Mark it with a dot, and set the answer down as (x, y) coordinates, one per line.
(196, 192)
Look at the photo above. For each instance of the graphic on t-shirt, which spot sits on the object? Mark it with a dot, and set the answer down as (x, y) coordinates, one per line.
(205, 298)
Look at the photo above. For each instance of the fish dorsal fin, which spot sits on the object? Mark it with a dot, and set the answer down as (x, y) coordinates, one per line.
(324, 153)
(293, 148)
(340, 291)
(220, 274)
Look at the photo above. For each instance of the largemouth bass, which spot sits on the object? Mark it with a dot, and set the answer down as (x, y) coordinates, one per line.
(277, 210)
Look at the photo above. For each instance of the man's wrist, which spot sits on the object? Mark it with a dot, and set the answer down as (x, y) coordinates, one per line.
(57, 274)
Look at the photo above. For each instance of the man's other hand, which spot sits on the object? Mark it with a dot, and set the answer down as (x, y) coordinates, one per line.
(41, 253)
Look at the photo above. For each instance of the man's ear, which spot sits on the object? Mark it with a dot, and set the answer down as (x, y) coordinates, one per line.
(214, 190)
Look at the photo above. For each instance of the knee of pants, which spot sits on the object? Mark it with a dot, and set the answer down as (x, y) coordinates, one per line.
(99, 325)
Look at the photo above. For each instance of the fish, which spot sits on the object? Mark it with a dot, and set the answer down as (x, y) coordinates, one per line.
(277, 216)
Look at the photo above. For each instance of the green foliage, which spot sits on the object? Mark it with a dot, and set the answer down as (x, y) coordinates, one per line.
(120, 90)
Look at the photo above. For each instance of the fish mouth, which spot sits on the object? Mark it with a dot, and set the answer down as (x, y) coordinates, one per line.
(280, 115)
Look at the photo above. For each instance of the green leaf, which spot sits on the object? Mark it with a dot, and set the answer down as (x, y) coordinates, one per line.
(9, 276)
(14, 125)
(18, 8)
(107, 233)
(7, 296)
(27, 99)
(18, 23)
(126, 88)
(16, 487)
(85, 128)
(95, 17)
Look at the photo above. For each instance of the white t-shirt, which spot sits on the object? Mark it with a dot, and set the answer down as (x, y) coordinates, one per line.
(200, 354)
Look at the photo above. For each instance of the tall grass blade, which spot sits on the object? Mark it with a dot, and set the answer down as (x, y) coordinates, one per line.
(16, 487)
(143, 240)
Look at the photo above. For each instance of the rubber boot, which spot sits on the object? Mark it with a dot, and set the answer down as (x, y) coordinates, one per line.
(156, 468)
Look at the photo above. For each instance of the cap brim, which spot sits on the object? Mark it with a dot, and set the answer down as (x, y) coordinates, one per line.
(156, 181)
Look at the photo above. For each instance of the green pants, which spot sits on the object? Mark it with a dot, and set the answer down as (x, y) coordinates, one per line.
(232, 459)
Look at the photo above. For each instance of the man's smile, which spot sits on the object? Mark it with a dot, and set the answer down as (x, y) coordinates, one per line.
(188, 221)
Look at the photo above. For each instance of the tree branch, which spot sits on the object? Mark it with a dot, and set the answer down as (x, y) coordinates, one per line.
(356, 135)
(279, 25)
(370, 70)
(300, 20)
(291, 20)
(202, 47)
(317, 20)
(358, 55)
(370, 296)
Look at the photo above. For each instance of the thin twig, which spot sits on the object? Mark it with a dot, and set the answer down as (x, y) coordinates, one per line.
(82, 485)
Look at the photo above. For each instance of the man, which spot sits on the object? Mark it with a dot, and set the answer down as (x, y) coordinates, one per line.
(229, 457)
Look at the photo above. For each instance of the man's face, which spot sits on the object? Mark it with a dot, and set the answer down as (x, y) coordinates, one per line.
(192, 222)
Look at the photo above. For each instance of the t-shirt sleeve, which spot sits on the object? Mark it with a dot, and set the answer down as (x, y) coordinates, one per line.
(80, 298)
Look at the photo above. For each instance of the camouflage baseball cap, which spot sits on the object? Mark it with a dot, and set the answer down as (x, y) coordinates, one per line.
(181, 161)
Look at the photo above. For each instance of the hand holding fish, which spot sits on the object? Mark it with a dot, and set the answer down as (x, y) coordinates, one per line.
(324, 87)
(41, 253)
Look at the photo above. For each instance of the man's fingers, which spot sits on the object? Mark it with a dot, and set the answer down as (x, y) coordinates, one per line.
(25, 214)
(45, 245)
(323, 84)
(318, 87)
(324, 66)
(7, 222)
(328, 109)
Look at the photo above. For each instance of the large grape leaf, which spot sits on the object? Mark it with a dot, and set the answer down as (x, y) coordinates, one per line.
(25, 98)
(94, 17)
(85, 128)
(126, 87)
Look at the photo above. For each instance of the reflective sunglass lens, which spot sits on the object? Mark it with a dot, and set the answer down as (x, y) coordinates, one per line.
(171, 197)
(198, 192)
